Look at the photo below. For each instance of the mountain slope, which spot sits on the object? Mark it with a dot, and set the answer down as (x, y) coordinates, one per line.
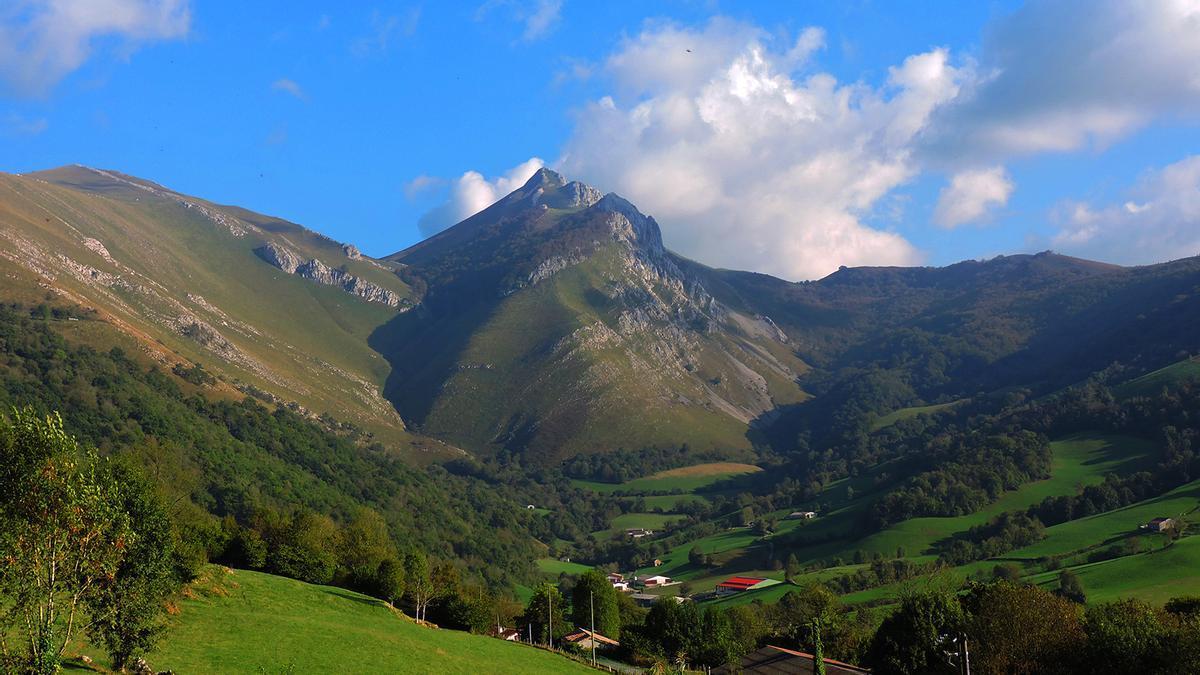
(554, 322)
(194, 281)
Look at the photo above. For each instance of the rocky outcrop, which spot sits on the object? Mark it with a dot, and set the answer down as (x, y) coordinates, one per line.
(315, 270)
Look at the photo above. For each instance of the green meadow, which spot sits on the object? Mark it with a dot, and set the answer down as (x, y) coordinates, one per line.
(248, 622)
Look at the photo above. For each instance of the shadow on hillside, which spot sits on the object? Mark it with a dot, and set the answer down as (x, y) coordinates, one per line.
(354, 597)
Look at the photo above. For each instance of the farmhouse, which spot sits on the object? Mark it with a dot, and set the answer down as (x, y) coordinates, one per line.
(638, 532)
(802, 515)
(1160, 524)
(622, 586)
(740, 584)
(586, 638)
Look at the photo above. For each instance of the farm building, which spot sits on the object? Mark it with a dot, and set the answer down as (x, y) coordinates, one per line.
(646, 599)
(614, 577)
(740, 584)
(622, 586)
(652, 581)
(777, 660)
(802, 515)
(508, 634)
(1160, 524)
(638, 532)
(585, 638)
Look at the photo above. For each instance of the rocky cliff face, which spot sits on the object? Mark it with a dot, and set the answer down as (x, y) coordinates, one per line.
(314, 270)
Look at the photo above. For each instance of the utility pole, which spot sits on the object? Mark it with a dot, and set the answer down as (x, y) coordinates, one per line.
(550, 621)
(966, 656)
(592, 611)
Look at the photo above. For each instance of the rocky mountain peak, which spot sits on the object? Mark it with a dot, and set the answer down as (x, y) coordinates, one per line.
(630, 223)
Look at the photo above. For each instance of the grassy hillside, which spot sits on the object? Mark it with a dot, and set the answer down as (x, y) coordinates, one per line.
(247, 622)
(685, 479)
(181, 277)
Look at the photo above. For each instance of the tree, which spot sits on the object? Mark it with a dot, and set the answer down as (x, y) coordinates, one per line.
(389, 580)
(1128, 636)
(1016, 628)
(594, 595)
(420, 586)
(792, 569)
(546, 614)
(365, 544)
(129, 608)
(62, 533)
(674, 629)
(305, 547)
(910, 640)
(747, 516)
(1070, 588)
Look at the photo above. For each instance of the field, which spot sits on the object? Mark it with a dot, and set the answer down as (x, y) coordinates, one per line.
(685, 479)
(554, 567)
(905, 413)
(1079, 460)
(1152, 383)
(247, 622)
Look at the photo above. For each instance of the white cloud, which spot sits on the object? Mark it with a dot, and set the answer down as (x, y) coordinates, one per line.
(1061, 75)
(472, 193)
(542, 20)
(746, 160)
(971, 194)
(289, 87)
(1160, 222)
(19, 125)
(385, 29)
(42, 41)
(538, 18)
(422, 184)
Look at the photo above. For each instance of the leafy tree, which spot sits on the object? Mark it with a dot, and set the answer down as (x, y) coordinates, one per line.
(1070, 588)
(63, 534)
(792, 568)
(419, 583)
(389, 581)
(304, 547)
(674, 628)
(546, 614)
(1128, 636)
(128, 609)
(593, 592)
(1020, 629)
(910, 640)
(365, 545)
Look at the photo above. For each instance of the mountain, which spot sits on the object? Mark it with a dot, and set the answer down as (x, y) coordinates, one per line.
(272, 308)
(555, 322)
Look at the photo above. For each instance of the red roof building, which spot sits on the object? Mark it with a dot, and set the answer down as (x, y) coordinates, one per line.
(739, 584)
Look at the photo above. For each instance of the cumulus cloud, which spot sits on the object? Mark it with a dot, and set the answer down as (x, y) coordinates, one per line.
(746, 157)
(472, 193)
(42, 41)
(289, 87)
(1160, 220)
(1060, 75)
(971, 194)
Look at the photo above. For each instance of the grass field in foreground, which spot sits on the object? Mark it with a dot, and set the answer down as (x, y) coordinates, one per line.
(248, 622)
(684, 479)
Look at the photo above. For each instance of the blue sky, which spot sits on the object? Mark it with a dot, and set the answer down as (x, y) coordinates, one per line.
(793, 136)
